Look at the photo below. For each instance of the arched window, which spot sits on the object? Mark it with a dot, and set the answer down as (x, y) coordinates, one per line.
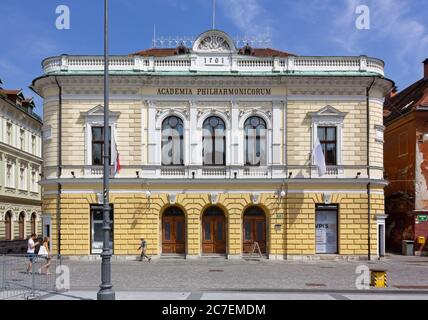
(33, 223)
(8, 225)
(22, 225)
(255, 141)
(172, 142)
(214, 142)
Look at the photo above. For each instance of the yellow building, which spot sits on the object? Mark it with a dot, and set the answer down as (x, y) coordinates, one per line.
(215, 146)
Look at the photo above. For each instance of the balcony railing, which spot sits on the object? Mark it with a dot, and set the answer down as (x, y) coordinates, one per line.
(238, 63)
(193, 172)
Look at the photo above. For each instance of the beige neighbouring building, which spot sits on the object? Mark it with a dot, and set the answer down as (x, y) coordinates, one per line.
(215, 147)
(20, 167)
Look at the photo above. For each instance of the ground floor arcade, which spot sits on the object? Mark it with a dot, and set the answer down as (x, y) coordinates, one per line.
(19, 219)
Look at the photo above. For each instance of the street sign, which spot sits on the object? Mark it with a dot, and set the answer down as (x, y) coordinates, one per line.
(422, 218)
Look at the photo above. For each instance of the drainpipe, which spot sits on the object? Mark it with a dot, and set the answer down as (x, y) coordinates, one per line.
(59, 168)
(368, 169)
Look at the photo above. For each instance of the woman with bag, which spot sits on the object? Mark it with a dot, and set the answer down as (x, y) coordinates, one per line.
(44, 253)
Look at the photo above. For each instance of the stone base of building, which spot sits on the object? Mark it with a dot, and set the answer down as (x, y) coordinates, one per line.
(302, 258)
(421, 253)
(329, 257)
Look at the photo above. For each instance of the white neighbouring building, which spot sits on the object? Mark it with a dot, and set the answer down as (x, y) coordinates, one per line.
(20, 168)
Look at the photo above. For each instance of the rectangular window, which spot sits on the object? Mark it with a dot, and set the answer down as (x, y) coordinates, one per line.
(326, 229)
(180, 231)
(9, 175)
(9, 133)
(33, 144)
(260, 226)
(33, 181)
(167, 229)
(22, 139)
(98, 146)
(207, 231)
(22, 178)
(328, 140)
(220, 231)
(247, 230)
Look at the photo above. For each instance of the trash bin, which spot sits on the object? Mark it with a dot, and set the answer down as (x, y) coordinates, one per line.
(407, 247)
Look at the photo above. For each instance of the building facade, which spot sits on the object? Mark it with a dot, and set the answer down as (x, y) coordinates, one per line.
(215, 146)
(20, 166)
(406, 154)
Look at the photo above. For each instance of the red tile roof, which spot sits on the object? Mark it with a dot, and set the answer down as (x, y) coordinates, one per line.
(156, 52)
(167, 52)
(407, 100)
(10, 92)
(268, 52)
(17, 98)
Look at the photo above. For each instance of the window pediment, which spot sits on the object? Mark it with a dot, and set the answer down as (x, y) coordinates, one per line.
(328, 112)
(98, 113)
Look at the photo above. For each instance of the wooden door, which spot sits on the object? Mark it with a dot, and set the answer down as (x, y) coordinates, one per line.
(22, 226)
(8, 226)
(213, 234)
(254, 231)
(173, 234)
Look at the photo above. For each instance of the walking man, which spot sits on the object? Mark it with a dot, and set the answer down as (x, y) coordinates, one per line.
(30, 251)
(143, 247)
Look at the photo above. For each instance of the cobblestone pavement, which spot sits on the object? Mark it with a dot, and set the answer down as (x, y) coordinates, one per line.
(232, 296)
(404, 273)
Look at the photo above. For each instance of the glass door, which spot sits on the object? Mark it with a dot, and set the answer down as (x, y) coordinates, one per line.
(326, 230)
(97, 229)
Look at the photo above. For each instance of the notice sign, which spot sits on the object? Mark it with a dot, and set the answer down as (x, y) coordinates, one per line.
(326, 231)
(422, 218)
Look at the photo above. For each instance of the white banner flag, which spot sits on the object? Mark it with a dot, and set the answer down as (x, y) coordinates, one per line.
(319, 159)
(115, 154)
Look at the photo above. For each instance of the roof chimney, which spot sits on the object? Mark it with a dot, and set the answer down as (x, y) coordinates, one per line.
(425, 68)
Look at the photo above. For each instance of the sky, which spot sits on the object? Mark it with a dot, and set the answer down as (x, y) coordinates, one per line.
(398, 32)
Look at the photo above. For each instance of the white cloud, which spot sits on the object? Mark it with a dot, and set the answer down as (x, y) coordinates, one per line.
(390, 23)
(249, 16)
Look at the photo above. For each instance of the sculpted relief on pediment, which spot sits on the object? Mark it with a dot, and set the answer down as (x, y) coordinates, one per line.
(214, 43)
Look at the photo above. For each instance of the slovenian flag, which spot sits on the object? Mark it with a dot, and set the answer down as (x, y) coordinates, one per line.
(116, 159)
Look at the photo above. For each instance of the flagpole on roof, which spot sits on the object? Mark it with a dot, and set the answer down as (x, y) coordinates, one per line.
(106, 291)
(214, 14)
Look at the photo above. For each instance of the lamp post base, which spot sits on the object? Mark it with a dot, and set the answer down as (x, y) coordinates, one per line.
(106, 294)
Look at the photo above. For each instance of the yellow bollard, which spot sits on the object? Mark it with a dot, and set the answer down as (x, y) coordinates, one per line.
(378, 278)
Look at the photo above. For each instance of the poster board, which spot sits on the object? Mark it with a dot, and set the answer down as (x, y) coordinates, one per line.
(326, 230)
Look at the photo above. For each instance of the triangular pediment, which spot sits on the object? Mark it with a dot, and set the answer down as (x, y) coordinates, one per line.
(328, 111)
(98, 111)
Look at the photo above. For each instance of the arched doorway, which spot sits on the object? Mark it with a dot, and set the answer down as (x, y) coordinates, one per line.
(21, 222)
(33, 223)
(213, 231)
(173, 231)
(254, 229)
(8, 225)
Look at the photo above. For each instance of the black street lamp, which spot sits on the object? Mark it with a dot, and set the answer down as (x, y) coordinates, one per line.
(106, 291)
